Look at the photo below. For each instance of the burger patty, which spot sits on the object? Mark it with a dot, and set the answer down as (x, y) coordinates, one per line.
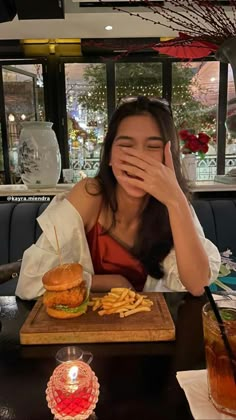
(72, 297)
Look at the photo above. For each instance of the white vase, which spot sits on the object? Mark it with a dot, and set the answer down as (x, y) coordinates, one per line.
(189, 167)
(39, 155)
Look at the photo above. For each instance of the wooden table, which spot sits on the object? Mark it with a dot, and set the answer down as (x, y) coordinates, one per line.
(137, 380)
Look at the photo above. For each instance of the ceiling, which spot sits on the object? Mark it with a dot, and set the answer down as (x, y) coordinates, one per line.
(87, 20)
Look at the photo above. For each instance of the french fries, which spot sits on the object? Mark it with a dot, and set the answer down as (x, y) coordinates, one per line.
(122, 301)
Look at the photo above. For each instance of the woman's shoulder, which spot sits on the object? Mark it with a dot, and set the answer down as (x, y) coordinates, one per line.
(86, 197)
(88, 186)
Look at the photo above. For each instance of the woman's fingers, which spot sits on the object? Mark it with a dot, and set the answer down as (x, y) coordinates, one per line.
(168, 157)
(134, 161)
(137, 156)
(130, 169)
(139, 183)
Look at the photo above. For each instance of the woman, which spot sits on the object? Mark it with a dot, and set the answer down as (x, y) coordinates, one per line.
(132, 225)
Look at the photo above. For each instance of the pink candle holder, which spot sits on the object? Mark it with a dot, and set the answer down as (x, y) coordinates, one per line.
(72, 391)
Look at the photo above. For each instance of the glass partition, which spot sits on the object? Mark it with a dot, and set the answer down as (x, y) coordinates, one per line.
(230, 148)
(134, 79)
(194, 102)
(195, 92)
(86, 104)
(24, 101)
(2, 173)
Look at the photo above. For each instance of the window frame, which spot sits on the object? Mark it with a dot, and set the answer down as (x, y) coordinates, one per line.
(55, 99)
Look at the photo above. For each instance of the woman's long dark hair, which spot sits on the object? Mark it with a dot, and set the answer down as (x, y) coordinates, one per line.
(154, 238)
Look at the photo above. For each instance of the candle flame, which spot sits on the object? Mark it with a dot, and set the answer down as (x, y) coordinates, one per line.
(73, 373)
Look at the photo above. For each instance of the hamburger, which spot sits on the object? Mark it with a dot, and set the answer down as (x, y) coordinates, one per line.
(65, 291)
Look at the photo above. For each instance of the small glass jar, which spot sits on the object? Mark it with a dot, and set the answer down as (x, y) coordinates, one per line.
(72, 391)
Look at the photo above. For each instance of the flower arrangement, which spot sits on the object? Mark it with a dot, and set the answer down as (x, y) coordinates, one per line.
(194, 143)
(204, 20)
(203, 25)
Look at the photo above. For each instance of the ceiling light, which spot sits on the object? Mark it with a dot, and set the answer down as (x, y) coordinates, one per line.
(108, 28)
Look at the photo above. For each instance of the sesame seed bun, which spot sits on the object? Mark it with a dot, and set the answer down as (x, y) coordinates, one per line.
(63, 277)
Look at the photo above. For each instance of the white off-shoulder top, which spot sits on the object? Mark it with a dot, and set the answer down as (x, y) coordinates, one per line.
(42, 256)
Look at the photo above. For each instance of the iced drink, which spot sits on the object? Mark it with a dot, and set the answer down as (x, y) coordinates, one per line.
(221, 381)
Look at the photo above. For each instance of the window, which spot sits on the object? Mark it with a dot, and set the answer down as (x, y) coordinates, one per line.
(194, 102)
(134, 79)
(230, 149)
(2, 174)
(194, 92)
(24, 101)
(86, 94)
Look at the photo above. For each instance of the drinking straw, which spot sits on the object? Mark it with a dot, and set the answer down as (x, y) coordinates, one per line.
(222, 331)
(58, 248)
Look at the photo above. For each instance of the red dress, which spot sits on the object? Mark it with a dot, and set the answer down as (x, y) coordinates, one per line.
(110, 257)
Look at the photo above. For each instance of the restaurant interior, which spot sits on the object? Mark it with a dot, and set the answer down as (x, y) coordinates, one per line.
(70, 63)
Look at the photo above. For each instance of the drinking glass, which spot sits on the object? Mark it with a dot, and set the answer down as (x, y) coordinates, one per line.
(220, 368)
(71, 353)
(68, 176)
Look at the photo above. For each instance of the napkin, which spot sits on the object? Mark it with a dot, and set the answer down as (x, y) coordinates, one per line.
(220, 296)
(194, 384)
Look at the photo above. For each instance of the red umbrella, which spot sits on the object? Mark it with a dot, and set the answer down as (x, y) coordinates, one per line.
(186, 47)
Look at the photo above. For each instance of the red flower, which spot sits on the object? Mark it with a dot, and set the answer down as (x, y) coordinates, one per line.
(192, 143)
(192, 138)
(184, 134)
(203, 138)
(204, 148)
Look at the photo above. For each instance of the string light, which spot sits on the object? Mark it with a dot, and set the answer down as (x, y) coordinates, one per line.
(187, 108)
(11, 118)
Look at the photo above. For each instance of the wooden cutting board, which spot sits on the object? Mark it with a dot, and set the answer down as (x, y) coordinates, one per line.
(156, 325)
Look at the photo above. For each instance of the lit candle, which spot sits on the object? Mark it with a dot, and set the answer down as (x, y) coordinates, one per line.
(72, 379)
(72, 391)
